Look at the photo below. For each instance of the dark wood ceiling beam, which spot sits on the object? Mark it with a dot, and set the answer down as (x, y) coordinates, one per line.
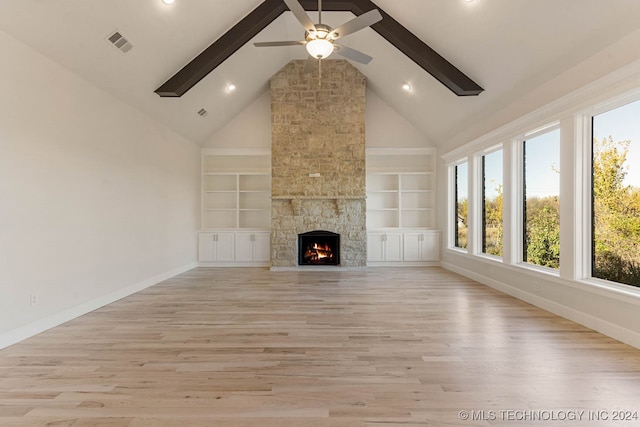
(269, 10)
(430, 60)
(222, 49)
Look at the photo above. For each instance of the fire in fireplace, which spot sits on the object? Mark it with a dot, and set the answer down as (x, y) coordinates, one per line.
(319, 248)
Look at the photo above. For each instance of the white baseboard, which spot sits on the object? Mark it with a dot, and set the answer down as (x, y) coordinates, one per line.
(240, 264)
(34, 328)
(603, 326)
(403, 264)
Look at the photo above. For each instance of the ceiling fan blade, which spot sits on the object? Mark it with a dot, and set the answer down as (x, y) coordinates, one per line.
(300, 14)
(310, 65)
(357, 24)
(352, 54)
(283, 43)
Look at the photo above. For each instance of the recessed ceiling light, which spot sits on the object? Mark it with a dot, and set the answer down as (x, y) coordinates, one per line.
(168, 1)
(406, 86)
(231, 87)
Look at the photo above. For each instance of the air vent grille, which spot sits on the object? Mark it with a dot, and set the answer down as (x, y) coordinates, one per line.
(118, 41)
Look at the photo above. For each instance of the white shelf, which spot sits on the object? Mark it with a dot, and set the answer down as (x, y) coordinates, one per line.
(236, 189)
(400, 188)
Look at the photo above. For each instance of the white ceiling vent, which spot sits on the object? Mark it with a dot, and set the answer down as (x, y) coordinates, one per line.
(119, 42)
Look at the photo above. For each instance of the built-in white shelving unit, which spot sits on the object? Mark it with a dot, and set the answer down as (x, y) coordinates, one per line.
(401, 206)
(236, 207)
(400, 188)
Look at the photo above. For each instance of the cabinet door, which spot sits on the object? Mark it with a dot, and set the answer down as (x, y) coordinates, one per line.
(224, 247)
(431, 246)
(413, 246)
(262, 247)
(421, 246)
(206, 247)
(393, 247)
(375, 246)
(244, 247)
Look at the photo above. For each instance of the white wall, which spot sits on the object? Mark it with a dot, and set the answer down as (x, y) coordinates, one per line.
(385, 127)
(249, 129)
(96, 199)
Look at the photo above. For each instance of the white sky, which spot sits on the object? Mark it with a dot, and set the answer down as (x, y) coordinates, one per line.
(622, 124)
(542, 163)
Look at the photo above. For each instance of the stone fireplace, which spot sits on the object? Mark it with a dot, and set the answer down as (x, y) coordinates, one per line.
(318, 176)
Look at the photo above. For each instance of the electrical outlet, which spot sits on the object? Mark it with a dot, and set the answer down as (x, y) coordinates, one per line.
(33, 299)
(536, 287)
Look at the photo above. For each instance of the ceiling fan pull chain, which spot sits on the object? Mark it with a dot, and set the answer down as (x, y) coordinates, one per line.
(319, 71)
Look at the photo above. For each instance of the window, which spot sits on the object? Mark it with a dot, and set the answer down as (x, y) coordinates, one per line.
(541, 207)
(616, 195)
(462, 205)
(492, 203)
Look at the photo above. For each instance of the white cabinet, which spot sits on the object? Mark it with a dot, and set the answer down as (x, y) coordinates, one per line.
(421, 246)
(384, 247)
(234, 248)
(252, 247)
(216, 247)
(403, 247)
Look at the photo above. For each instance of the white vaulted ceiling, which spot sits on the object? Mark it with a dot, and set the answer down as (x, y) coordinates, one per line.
(514, 49)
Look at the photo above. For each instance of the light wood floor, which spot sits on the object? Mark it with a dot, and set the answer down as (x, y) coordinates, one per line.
(250, 347)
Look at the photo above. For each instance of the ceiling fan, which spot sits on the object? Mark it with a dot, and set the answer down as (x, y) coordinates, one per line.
(320, 38)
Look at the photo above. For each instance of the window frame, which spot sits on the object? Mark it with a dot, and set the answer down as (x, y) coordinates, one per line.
(452, 213)
(585, 120)
(481, 212)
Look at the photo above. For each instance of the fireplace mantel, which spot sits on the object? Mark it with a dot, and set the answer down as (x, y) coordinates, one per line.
(339, 201)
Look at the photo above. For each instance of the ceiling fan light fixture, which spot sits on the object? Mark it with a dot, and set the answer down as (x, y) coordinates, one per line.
(319, 48)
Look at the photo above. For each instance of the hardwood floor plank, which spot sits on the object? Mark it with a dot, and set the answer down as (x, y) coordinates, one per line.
(250, 347)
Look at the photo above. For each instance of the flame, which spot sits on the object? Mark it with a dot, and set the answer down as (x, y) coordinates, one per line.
(322, 251)
(319, 252)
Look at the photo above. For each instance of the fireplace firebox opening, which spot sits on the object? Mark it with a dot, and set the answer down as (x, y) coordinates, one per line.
(319, 248)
